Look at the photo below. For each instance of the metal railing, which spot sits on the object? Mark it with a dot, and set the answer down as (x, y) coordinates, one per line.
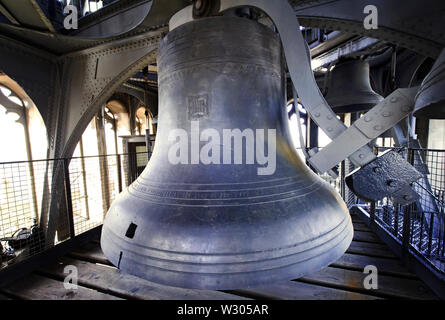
(90, 185)
(419, 227)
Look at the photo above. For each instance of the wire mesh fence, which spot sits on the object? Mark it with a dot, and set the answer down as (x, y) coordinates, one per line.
(421, 225)
(90, 184)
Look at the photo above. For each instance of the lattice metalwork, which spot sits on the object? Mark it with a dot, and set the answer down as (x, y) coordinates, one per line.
(25, 191)
(425, 219)
(91, 185)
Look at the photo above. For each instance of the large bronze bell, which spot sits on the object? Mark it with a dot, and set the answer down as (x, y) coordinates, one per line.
(198, 224)
(430, 100)
(349, 88)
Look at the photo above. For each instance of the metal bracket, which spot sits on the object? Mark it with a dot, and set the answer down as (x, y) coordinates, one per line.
(389, 175)
(376, 121)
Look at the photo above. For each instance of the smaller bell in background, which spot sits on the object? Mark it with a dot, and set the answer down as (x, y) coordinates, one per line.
(430, 100)
(350, 89)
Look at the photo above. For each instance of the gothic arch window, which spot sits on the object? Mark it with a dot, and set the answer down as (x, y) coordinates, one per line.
(13, 124)
(144, 120)
(21, 178)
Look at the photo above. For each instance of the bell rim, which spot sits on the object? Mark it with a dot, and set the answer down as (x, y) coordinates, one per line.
(298, 264)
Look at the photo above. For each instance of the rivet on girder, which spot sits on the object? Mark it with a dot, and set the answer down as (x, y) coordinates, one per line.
(406, 108)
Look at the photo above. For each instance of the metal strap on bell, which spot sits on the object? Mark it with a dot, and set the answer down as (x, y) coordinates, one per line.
(350, 89)
(224, 225)
(430, 100)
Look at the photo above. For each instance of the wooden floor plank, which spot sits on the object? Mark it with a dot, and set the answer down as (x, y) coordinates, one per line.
(35, 287)
(361, 227)
(99, 279)
(359, 223)
(292, 290)
(370, 249)
(366, 237)
(372, 245)
(90, 252)
(111, 280)
(388, 286)
(384, 265)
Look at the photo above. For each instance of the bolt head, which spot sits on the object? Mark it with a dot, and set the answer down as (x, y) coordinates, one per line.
(406, 108)
(391, 183)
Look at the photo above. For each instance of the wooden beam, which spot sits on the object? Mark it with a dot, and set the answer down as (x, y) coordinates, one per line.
(388, 286)
(384, 265)
(35, 287)
(291, 290)
(114, 282)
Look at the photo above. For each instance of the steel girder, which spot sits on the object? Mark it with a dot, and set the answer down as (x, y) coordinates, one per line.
(27, 13)
(150, 98)
(132, 92)
(409, 24)
(419, 28)
(69, 90)
(89, 78)
(102, 27)
(93, 75)
(34, 70)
